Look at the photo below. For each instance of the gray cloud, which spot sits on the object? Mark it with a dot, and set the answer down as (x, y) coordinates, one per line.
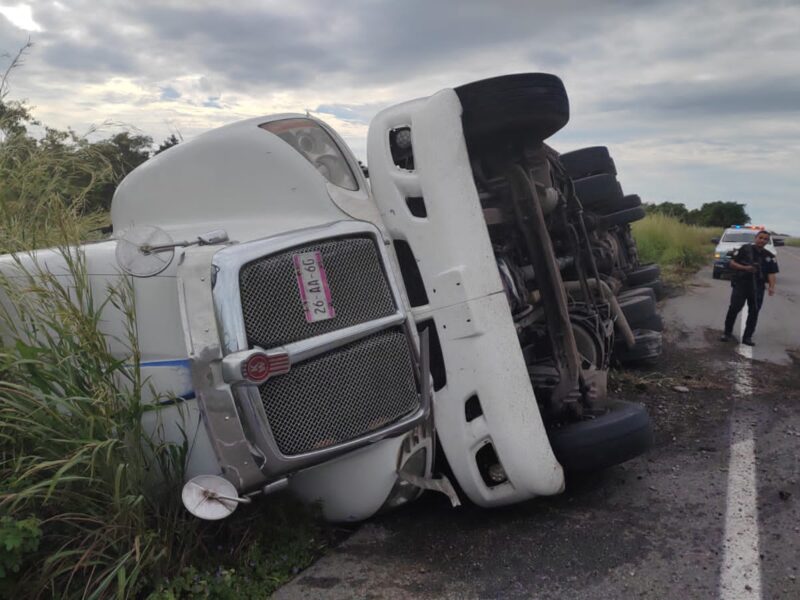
(358, 113)
(698, 101)
(92, 58)
(718, 99)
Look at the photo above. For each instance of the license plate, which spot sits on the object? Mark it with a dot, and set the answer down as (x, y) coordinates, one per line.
(313, 284)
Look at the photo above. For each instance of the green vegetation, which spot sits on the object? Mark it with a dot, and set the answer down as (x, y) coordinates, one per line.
(711, 214)
(679, 248)
(90, 501)
(58, 185)
(73, 452)
(792, 242)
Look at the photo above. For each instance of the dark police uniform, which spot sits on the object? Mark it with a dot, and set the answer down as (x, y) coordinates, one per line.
(749, 287)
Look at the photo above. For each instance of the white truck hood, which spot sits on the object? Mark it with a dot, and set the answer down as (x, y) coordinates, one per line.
(240, 178)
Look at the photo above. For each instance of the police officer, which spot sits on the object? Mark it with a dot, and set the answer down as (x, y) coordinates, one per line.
(754, 268)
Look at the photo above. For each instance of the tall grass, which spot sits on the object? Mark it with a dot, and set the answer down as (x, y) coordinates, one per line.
(89, 503)
(792, 242)
(672, 244)
(73, 452)
(44, 185)
(45, 182)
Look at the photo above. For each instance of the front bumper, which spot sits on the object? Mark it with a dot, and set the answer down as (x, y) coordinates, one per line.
(722, 267)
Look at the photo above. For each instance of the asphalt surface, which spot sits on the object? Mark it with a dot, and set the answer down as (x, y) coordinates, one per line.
(713, 511)
(705, 303)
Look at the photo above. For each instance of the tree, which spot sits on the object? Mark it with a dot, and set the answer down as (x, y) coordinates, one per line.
(172, 140)
(123, 152)
(671, 209)
(719, 214)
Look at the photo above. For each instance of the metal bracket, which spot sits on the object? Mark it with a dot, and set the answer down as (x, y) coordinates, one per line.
(441, 485)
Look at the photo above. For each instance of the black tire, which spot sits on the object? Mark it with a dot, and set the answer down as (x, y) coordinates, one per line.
(637, 308)
(621, 434)
(654, 323)
(716, 274)
(655, 285)
(620, 218)
(629, 201)
(644, 291)
(588, 161)
(597, 191)
(647, 347)
(641, 275)
(532, 104)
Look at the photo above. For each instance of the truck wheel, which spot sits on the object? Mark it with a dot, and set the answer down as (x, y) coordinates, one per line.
(628, 201)
(532, 104)
(647, 347)
(643, 291)
(620, 218)
(597, 191)
(588, 161)
(622, 433)
(716, 274)
(642, 275)
(654, 323)
(637, 308)
(654, 285)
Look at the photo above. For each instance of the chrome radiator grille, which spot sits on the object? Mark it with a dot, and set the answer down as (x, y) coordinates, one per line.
(271, 305)
(341, 395)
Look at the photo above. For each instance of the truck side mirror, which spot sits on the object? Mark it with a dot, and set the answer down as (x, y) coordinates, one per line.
(715, 240)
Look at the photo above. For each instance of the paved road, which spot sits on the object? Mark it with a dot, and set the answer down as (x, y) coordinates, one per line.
(712, 512)
(706, 301)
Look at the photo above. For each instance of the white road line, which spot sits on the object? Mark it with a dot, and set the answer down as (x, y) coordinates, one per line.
(741, 567)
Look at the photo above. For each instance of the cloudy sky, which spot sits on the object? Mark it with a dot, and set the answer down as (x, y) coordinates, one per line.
(698, 101)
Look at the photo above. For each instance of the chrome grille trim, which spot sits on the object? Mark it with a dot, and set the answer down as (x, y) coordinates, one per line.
(305, 349)
(271, 300)
(227, 263)
(226, 267)
(373, 386)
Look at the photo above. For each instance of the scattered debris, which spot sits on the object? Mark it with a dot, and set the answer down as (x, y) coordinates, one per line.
(681, 388)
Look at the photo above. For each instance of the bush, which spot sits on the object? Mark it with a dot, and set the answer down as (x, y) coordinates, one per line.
(73, 451)
(45, 184)
(90, 503)
(665, 240)
(18, 539)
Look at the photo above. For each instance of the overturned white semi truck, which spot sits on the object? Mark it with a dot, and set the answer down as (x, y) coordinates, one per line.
(352, 341)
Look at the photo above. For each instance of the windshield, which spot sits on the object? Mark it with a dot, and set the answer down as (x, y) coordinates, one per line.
(739, 236)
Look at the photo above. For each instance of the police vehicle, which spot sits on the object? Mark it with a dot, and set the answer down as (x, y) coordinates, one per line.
(732, 239)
